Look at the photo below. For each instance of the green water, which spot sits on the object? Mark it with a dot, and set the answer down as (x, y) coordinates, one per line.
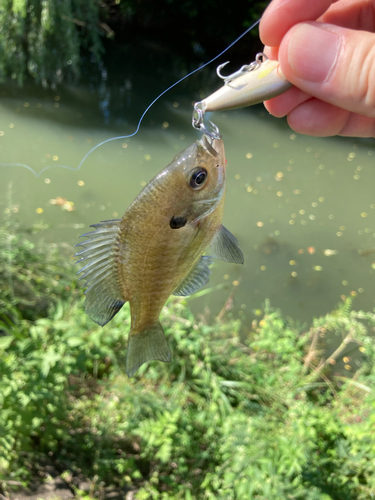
(303, 208)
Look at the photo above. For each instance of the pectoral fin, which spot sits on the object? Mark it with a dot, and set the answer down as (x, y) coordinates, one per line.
(145, 346)
(103, 296)
(225, 247)
(196, 279)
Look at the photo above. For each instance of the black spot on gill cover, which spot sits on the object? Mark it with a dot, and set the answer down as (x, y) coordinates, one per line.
(177, 222)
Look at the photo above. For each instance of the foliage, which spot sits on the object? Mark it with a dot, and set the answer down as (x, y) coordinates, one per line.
(263, 415)
(43, 38)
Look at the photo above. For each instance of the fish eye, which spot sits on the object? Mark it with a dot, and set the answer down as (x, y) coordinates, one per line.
(198, 177)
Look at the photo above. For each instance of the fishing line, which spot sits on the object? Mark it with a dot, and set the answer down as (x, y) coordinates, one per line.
(140, 120)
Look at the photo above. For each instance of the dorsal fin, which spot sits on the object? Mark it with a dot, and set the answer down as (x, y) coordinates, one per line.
(196, 279)
(103, 296)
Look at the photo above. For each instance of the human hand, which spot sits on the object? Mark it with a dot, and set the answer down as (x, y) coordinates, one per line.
(326, 48)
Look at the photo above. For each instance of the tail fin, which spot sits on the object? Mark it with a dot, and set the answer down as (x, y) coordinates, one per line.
(145, 346)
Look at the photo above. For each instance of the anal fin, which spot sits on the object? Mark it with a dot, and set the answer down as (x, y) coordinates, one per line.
(145, 346)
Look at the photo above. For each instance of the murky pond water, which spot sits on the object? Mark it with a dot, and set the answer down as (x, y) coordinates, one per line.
(303, 208)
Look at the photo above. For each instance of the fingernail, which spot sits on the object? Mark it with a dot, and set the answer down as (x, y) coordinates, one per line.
(312, 52)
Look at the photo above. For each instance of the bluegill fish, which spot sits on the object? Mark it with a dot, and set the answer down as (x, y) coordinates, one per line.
(156, 249)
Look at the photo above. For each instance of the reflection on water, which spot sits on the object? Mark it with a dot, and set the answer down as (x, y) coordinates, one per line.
(303, 208)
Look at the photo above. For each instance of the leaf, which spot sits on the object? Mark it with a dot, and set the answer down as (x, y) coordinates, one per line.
(6, 341)
(74, 341)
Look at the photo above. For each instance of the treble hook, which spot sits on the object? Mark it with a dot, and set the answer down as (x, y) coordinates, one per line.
(260, 57)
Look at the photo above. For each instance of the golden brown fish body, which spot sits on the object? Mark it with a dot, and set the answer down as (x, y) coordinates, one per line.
(156, 249)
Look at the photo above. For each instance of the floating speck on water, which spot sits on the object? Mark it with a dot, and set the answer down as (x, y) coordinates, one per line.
(275, 145)
(57, 97)
(249, 155)
(302, 212)
(1, 133)
(345, 283)
(279, 193)
(360, 231)
(321, 199)
(102, 208)
(143, 183)
(263, 268)
(249, 189)
(367, 230)
(292, 137)
(165, 125)
(292, 262)
(80, 183)
(360, 290)
(55, 104)
(331, 216)
(314, 204)
(328, 252)
(226, 276)
(291, 222)
(147, 157)
(291, 161)
(55, 158)
(182, 137)
(348, 367)
(316, 155)
(359, 168)
(124, 145)
(114, 214)
(362, 349)
(11, 125)
(293, 216)
(175, 104)
(235, 283)
(38, 105)
(321, 166)
(318, 268)
(308, 150)
(279, 176)
(351, 155)
(312, 217)
(297, 191)
(339, 233)
(26, 104)
(237, 176)
(259, 179)
(294, 274)
(342, 228)
(356, 177)
(353, 293)
(364, 214)
(39, 210)
(301, 251)
(47, 181)
(277, 233)
(311, 250)
(260, 224)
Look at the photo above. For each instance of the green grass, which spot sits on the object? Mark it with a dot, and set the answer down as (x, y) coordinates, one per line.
(264, 415)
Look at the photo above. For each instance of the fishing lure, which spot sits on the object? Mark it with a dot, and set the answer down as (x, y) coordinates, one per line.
(251, 84)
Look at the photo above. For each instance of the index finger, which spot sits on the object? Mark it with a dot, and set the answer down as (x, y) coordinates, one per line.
(281, 15)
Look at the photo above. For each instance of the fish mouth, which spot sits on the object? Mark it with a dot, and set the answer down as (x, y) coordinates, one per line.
(210, 139)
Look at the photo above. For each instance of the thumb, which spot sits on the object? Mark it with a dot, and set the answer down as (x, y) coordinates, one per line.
(334, 64)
